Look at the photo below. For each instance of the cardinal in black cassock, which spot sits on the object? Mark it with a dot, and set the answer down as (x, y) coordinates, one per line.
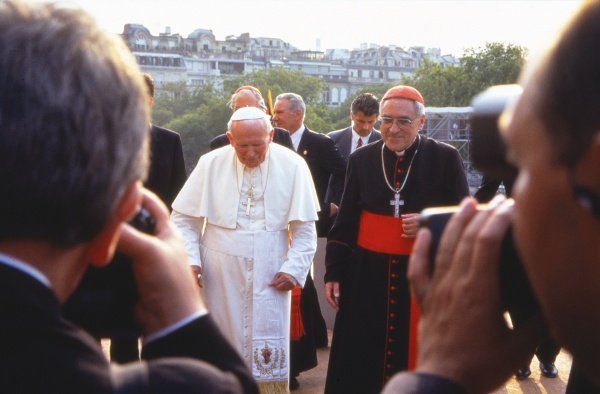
(368, 248)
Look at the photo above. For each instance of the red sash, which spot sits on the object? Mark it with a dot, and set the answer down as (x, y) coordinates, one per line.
(383, 234)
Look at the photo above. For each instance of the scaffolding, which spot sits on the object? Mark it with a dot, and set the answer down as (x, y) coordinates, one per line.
(451, 125)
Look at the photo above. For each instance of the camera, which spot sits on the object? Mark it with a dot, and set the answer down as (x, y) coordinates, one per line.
(516, 294)
(488, 154)
(143, 221)
(104, 302)
(488, 151)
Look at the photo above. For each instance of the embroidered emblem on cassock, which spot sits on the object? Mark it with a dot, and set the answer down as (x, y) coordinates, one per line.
(267, 359)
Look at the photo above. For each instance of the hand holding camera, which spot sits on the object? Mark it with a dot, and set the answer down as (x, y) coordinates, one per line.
(489, 156)
(167, 292)
(515, 291)
(146, 287)
(461, 306)
(465, 273)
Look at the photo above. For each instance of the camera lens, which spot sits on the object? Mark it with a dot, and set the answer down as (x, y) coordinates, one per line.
(144, 221)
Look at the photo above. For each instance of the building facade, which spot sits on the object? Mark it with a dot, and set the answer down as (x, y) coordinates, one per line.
(201, 58)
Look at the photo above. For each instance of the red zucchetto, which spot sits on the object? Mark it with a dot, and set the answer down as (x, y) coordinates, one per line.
(404, 92)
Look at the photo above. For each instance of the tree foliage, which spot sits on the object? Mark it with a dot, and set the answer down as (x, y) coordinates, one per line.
(202, 113)
(495, 64)
(478, 69)
(198, 127)
(440, 86)
(280, 80)
(197, 115)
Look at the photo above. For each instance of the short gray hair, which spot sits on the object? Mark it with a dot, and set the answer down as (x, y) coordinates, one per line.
(419, 108)
(74, 123)
(296, 101)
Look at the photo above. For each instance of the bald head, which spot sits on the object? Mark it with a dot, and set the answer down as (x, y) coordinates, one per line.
(247, 97)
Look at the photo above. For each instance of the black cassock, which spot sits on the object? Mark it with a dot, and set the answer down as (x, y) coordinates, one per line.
(371, 333)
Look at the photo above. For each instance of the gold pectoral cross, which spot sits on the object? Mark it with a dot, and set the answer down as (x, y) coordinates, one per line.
(249, 202)
(397, 203)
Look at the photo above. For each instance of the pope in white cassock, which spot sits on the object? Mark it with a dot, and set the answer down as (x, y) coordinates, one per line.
(247, 214)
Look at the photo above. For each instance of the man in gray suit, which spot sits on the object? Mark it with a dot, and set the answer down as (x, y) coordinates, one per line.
(363, 113)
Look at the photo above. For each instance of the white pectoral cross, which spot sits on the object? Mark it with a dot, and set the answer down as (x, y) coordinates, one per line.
(397, 203)
(249, 202)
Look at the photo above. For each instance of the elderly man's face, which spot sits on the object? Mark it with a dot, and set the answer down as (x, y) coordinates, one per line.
(400, 124)
(250, 139)
(285, 117)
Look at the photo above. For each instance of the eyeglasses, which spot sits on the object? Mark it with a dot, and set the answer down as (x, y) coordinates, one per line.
(402, 123)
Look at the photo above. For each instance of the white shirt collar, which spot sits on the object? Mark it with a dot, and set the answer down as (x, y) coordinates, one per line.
(25, 268)
(297, 136)
(356, 136)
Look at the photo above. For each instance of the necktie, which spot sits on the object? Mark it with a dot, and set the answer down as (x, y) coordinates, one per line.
(359, 143)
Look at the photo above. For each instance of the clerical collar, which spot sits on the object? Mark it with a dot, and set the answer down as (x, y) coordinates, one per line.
(408, 151)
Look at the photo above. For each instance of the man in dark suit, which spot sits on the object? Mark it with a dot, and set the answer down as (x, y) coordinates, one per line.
(323, 159)
(322, 156)
(363, 114)
(167, 173)
(249, 96)
(75, 125)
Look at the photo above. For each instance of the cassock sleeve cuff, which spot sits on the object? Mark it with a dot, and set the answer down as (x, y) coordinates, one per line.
(337, 257)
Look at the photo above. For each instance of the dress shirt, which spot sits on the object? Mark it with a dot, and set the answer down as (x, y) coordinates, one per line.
(297, 136)
(355, 137)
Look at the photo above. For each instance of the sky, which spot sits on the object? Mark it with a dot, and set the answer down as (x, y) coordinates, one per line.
(451, 25)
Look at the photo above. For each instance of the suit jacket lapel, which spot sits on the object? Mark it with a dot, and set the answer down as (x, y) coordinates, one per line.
(303, 145)
(375, 136)
(346, 142)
